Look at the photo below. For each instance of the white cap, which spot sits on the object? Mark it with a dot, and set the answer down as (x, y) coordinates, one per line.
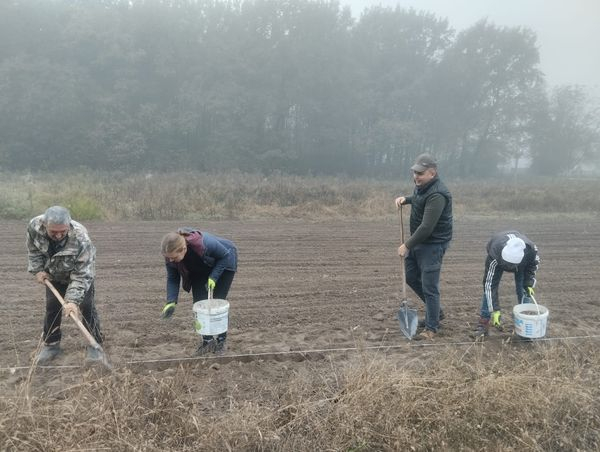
(514, 250)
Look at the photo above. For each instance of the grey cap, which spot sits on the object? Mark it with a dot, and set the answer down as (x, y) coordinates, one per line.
(57, 215)
(423, 162)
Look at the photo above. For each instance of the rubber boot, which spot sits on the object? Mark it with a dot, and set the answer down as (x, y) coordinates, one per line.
(221, 344)
(206, 346)
(482, 330)
(48, 353)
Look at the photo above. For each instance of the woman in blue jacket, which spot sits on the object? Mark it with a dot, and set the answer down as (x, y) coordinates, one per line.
(201, 262)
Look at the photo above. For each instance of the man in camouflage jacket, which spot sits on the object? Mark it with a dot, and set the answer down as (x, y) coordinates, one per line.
(61, 251)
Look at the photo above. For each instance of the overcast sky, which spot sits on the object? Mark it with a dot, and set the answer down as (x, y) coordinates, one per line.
(568, 31)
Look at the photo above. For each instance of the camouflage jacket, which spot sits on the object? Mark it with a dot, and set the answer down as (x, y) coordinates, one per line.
(73, 264)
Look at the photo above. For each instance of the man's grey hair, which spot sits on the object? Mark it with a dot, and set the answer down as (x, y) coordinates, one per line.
(57, 215)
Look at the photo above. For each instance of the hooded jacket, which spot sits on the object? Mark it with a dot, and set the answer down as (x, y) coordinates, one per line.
(206, 254)
(495, 265)
(528, 265)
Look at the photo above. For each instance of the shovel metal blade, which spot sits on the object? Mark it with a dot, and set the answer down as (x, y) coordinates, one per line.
(408, 319)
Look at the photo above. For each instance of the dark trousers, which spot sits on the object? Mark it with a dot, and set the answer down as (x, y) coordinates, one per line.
(53, 317)
(423, 267)
(490, 301)
(200, 292)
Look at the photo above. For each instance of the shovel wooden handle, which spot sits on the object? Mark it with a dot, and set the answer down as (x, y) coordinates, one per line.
(80, 325)
(403, 274)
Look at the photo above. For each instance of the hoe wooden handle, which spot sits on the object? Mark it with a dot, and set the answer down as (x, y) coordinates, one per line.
(80, 325)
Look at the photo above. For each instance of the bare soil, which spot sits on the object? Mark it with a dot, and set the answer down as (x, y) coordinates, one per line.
(307, 294)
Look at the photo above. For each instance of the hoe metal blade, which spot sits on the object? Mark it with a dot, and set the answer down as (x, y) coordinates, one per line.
(408, 319)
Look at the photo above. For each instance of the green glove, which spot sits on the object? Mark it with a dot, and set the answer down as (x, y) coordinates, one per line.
(210, 284)
(529, 291)
(168, 310)
(496, 318)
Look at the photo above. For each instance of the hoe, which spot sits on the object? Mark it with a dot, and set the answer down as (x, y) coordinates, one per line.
(102, 360)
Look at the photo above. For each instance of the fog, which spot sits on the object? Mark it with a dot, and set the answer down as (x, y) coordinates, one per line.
(301, 87)
(568, 31)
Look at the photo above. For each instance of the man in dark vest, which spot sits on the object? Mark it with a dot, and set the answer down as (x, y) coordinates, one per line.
(431, 232)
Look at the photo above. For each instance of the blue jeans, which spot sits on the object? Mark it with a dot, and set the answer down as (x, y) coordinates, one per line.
(522, 297)
(423, 265)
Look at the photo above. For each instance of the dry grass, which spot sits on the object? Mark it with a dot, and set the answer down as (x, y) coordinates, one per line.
(537, 397)
(235, 195)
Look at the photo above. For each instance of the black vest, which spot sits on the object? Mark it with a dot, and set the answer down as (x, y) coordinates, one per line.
(443, 229)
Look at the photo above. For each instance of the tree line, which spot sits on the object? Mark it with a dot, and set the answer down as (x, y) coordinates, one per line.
(297, 86)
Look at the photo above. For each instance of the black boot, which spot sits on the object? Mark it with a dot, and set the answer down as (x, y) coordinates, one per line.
(48, 353)
(206, 346)
(221, 345)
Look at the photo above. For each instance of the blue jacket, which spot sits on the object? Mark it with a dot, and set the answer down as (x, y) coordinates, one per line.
(207, 253)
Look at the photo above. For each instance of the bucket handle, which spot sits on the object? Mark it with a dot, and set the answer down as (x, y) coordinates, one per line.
(536, 305)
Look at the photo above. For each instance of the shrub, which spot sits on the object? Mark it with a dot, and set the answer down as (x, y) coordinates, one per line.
(83, 207)
(14, 206)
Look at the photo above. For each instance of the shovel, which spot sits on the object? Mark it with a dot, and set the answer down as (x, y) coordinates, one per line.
(407, 316)
(80, 325)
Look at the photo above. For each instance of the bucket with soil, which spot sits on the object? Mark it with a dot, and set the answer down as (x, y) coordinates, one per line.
(531, 319)
(211, 317)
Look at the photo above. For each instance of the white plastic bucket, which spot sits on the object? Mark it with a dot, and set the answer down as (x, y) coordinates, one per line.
(211, 317)
(531, 319)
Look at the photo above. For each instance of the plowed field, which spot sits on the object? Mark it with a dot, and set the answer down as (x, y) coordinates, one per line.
(302, 289)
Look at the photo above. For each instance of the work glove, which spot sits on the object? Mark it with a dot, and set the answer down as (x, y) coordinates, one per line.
(496, 315)
(529, 291)
(168, 310)
(210, 284)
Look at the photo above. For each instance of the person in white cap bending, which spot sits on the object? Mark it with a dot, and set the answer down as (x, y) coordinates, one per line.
(513, 252)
